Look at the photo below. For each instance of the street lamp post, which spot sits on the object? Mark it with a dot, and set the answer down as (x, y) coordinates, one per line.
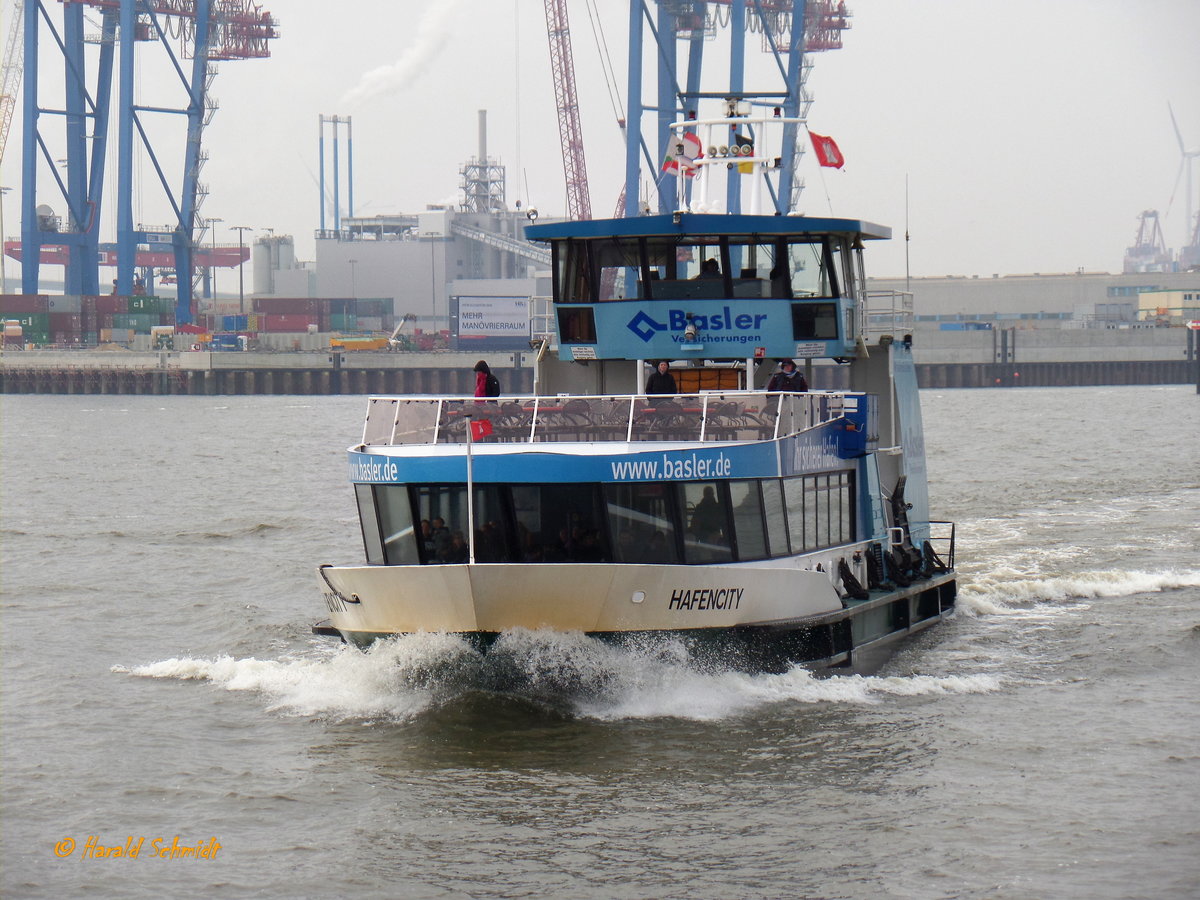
(3, 270)
(353, 287)
(241, 271)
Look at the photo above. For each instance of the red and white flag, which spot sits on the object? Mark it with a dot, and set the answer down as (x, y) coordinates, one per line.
(684, 155)
(827, 151)
(481, 429)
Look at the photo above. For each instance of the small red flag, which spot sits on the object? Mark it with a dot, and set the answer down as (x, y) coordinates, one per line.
(827, 151)
(481, 429)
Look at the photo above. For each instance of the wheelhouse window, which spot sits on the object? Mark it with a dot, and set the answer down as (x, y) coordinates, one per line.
(700, 267)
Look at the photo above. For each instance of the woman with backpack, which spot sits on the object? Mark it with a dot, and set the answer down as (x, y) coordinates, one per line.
(486, 384)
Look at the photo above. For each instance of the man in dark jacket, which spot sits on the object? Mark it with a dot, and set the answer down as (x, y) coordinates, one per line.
(661, 381)
(788, 379)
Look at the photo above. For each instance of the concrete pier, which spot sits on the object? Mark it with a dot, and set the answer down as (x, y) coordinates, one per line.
(944, 360)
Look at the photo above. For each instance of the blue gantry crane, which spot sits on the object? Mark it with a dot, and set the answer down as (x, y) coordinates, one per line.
(674, 52)
(192, 34)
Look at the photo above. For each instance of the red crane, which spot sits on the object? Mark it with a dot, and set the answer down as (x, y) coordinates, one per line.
(570, 132)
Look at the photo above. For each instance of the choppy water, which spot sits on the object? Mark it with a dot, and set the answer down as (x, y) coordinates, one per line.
(159, 681)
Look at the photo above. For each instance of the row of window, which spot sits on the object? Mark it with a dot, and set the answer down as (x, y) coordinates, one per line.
(690, 522)
(592, 270)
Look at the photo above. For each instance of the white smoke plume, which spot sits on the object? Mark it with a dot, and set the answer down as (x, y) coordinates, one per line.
(433, 34)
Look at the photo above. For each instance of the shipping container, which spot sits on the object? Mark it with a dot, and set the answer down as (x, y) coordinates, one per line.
(283, 306)
(141, 323)
(148, 305)
(375, 307)
(66, 322)
(115, 335)
(67, 303)
(281, 322)
(344, 322)
(30, 321)
(23, 303)
(111, 304)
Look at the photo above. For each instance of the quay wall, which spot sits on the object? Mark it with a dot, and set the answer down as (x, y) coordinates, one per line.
(1007, 358)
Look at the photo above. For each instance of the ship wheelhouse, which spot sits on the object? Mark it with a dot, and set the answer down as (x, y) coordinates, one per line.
(708, 287)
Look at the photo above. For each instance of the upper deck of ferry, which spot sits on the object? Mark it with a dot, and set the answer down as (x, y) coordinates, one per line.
(709, 417)
(710, 287)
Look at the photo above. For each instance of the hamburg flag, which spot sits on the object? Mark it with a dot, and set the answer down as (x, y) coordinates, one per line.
(827, 151)
(481, 429)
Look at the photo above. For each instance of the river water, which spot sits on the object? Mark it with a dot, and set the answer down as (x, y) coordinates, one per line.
(160, 683)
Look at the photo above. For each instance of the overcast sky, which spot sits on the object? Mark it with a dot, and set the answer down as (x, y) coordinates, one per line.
(1030, 134)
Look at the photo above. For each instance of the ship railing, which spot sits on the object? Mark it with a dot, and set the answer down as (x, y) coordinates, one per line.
(941, 539)
(708, 417)
(888, 312)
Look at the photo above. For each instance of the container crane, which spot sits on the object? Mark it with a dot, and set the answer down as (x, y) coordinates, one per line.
(1149, 252)
(207, 31)
(789, 28)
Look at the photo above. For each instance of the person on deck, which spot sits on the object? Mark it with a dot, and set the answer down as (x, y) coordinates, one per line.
(661, 381)
(486, 384)
(789, 378)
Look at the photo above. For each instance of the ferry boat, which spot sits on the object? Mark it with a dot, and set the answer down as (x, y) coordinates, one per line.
(760, 529)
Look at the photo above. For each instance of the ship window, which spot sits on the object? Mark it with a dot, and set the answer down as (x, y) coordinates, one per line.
(820, 510)
(814, 269)
(396, 524)
(446, 509)
(576, 325)
(773, 509)
(707, 513)
(641, 522)
(492, 535)
(746, 502)
(370, 524)
(814, 321)
(558, 523)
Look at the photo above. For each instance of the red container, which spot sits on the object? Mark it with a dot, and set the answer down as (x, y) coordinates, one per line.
(24, 303)
(112, 304)
(292, 322)
(71, 323)
(287, 306)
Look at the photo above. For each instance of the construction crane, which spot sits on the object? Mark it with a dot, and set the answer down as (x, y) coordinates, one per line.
(570, 132)
(10, 78)
(206, 31)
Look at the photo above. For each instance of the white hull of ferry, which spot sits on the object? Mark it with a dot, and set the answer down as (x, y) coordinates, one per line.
(588, 597)
(766, 616)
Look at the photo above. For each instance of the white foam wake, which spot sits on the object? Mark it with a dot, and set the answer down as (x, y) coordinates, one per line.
(1011, 592)
(393, 680)
(398, 680)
